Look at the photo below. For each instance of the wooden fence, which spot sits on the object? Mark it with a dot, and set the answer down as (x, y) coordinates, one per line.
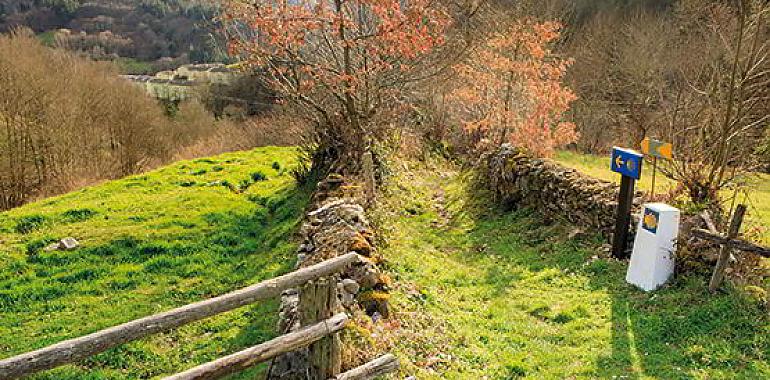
(729, 243)
(317, 285)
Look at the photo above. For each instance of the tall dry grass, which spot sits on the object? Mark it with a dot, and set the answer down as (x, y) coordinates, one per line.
(276, 128)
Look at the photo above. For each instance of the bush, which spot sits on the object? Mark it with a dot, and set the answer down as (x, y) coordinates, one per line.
(258, 176)
(66, 122)
(59, 129)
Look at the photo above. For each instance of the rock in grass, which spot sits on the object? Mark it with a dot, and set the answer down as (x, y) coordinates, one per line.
(68, 244)
(576, 233)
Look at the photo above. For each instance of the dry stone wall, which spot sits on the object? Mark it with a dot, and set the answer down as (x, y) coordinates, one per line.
(337, 225)
(553, 190)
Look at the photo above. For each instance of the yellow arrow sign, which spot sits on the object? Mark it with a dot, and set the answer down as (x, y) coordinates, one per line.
(618, 162)
(666, 151)
(657, 148)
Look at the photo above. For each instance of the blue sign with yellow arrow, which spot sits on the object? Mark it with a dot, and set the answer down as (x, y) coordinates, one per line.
(626, 162)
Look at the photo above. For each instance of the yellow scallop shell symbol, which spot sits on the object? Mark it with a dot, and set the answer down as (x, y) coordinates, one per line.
(650, 221)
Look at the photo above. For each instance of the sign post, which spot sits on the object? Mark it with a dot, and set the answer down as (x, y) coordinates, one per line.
(629, 164)
(656, 148)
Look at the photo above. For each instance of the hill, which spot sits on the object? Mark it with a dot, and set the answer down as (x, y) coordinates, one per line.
(165, 32)
(151, 242)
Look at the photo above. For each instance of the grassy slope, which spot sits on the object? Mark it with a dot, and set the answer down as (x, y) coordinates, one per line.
(488, 294)
(150, 243)
(757, 192)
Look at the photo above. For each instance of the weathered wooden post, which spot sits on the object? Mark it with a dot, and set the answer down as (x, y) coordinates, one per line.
(629, 164)
(724, 250)
(656, 148)
(317, 302)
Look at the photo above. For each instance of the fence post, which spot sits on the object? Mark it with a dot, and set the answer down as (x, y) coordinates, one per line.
(724, 251)
(317, 302)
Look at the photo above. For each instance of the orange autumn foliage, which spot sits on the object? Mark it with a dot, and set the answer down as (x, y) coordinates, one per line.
(511, 90)
(344, 62)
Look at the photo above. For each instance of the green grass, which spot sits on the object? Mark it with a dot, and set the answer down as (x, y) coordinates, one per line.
(599, 167)
(151, 242)
(47, 38)
(756, 193)
(133, 66)
(485, 293)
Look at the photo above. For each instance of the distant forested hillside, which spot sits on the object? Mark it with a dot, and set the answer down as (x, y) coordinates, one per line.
(158, 31)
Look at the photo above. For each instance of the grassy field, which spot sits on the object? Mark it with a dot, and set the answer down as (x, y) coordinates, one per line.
(48, 38)
(133, 66)
(485, 293)
(756, 193)
(151, 242)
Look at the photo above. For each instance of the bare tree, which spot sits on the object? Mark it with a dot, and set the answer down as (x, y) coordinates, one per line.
(66, 121)
(719, 113)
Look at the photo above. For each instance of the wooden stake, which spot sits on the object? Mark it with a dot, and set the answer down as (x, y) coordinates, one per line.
(623, 217)
(654, 171)
(369, 179)
(318, 301)
(724, 251)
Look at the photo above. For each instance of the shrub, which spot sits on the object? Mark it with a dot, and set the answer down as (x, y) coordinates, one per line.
(66, 121)
(60, 129)
(244, 185)
(511, 91)
(258, 177)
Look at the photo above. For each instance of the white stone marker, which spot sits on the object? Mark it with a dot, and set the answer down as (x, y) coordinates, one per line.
(652, 260)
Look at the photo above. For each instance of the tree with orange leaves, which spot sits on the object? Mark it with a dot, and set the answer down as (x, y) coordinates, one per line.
(511, 90)
(343, 63)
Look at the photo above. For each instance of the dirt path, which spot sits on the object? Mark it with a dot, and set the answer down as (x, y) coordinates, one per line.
(488, 294)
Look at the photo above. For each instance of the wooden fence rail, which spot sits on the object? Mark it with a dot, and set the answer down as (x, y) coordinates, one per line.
(737, 244)
(247, 358)
(380, 366)
(728, 243)
(77, 349)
